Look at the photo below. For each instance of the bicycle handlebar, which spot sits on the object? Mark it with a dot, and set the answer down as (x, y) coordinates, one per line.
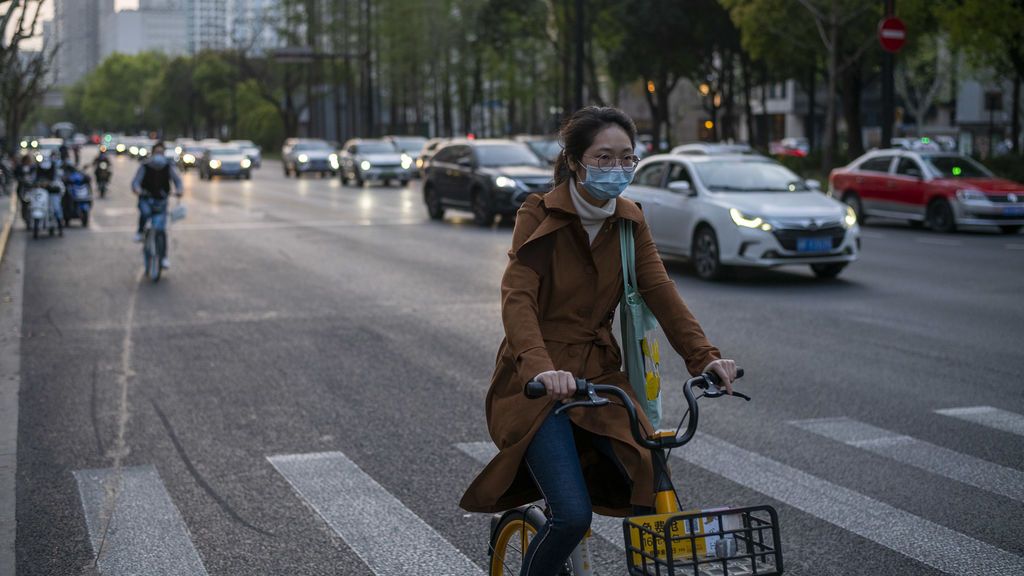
(587, 390)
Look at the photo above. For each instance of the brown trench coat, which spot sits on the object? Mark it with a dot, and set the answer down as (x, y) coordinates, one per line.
(559, 296)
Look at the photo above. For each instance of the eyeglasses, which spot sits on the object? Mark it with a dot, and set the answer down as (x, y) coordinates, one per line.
(606, 162)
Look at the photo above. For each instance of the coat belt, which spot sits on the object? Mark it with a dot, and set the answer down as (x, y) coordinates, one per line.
(576, 334)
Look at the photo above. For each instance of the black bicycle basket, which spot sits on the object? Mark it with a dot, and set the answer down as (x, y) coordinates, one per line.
(719, 542)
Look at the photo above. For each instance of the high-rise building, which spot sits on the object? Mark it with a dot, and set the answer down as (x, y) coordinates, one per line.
(77, 31)
(206, 24)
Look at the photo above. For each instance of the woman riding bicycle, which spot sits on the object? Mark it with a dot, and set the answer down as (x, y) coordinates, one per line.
(559, 293)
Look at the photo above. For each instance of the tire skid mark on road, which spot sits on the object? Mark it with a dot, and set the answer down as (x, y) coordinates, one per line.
(221, 502)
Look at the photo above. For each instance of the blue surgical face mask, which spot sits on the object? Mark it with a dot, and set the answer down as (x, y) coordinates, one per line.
(606, 185)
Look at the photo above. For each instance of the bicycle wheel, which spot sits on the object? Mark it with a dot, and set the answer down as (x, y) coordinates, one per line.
(510, 538)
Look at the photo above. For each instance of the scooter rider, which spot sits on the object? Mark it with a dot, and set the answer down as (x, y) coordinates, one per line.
(152, 184)
(25, 174)
(101, 169)
(50, 174)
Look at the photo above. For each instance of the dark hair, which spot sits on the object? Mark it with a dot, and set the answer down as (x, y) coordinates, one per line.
(578, 132)
(159, 143)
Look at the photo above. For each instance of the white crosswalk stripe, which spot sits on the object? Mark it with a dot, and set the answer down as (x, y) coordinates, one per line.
(988, 416)
(133, 525)
(929, 543)
(924, 455)
(387, 536)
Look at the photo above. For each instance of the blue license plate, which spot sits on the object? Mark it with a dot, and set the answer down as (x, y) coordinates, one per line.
(817, 244)
(1014, 211)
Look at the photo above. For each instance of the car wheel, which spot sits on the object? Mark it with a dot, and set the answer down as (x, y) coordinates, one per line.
(482, 213)
(852, 200)
(826, 271)
(706, 259)
(359, 180)
(404, 183)
(344, 178)
(940, 216)
(1011, 229)
(434, 208)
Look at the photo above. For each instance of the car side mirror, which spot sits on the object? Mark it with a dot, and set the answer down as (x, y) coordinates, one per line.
(681, 186)
(813, 184)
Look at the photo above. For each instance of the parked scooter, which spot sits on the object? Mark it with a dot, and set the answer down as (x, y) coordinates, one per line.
(102, 177)
(44, 202)
(77, 202)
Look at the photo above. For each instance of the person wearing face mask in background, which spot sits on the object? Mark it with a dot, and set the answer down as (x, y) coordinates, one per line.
(560, 290)
(152, 184)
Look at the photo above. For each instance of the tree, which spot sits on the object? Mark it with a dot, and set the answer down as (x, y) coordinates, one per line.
(115, 95)
(923, 66)
(659, 45)
(846, 29)
(23, 74)
(991, 33)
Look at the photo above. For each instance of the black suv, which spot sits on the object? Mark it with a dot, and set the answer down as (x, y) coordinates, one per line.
(487, 177)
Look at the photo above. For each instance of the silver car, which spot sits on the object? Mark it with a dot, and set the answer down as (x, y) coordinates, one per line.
(363, 160)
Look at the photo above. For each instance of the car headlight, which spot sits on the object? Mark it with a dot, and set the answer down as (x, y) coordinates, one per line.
(406, 161)
(333, 158)
(39, 157)
(177, 149)
(133, 150)
(188, 159)
(120, 147)
(504, 182)
(24, 143)
(968, 195)
(742, 220)
(419, 162)
(246, 162)
(851, 217)
(143, 152)
(214, 164)
(365, 165)
(303, 158)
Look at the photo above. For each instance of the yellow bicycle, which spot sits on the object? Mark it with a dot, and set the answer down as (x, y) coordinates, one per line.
(714, 542)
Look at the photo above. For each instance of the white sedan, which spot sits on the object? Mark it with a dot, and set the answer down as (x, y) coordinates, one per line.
(723, 211)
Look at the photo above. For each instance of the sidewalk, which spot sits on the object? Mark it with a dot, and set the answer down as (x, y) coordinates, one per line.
(10, 374)
(7, 213)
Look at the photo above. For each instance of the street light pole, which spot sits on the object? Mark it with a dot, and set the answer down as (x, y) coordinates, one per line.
(888, 97)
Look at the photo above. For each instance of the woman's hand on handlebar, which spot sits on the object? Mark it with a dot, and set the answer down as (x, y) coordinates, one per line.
(560, 384)
(725, 369)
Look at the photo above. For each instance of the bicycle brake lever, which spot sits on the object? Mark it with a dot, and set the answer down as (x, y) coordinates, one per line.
(592, 400)
(713, 391)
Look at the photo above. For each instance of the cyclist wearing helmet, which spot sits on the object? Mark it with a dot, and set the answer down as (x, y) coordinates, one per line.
(560, 290)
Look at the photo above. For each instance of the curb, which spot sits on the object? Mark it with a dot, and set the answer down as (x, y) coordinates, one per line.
(8, 225)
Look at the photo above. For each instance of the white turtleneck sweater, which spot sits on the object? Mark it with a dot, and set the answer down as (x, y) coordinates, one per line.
(592, 217)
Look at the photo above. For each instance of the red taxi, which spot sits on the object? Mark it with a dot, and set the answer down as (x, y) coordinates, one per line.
(941, 189)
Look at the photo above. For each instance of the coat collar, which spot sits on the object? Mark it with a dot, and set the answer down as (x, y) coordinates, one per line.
(558, 212)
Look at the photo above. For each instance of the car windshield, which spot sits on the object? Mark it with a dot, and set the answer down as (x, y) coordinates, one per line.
(409, 144)
(225, 152)
(956, 167)
(311, 146)
(546, 149)
(244, 144)
(734, 176)
(375, 148)
(506, 155)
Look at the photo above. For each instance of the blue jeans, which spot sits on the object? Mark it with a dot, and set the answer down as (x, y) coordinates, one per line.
(555, 466)
(155, 209)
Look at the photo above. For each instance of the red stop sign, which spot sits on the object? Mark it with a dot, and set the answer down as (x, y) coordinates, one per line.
(892, 34)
